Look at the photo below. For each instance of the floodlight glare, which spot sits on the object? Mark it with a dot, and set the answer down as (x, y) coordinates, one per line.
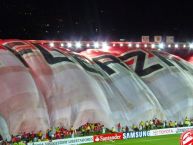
(121, 44)
(169, 45)
(69, 44)
(96, 45)
(145, 45)
(161, 46)
(87, 45)
(62, 45)
(137, 45)
(130, 45)
(104, 44)
(51, 44)
(176, 45)
(152, 45)
(78, 44)
(191, 45)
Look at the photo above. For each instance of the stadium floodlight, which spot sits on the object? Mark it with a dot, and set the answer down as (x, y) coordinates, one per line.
(137, 45)
(152, 45)
(78, 45)
(191, 45)
(114, 45)
(169, 45)
(69, 44)
(104, 45)
(62, 45)
(176, 45)
(145, 45)
(96, 45)
(130, 45)
(161, 46)
(51, 44)
(87, 45)
(184, 46)
(121, 44)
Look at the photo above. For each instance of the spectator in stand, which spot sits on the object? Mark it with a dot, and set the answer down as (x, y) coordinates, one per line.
(181, 124)
(123, 129)
(57, 135)
(135, 128)
(146, 125)
(151, 124)
(187, 121)
(164, 124)
(191, 122)
(141, 125)
(103, 129)
(50, 134)
(92, 127)
(175, 124)
(82, 131)
(40, 134)
(119, 127)
(88, 129)
(62, 132)
(72, 131)
(126, 129)
(113, 130)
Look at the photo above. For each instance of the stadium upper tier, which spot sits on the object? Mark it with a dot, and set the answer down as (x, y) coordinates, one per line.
(46, 83)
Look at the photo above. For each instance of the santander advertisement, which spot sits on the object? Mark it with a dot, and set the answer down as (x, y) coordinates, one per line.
(108, 137)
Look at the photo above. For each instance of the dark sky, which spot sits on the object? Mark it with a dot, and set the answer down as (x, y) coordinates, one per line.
(95, 19)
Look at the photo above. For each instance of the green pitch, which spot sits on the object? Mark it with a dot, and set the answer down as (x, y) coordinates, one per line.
(157, 140)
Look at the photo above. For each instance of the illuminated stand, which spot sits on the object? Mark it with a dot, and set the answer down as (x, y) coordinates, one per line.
(82, 45)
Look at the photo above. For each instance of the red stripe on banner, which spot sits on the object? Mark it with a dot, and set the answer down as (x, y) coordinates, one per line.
(130, 62)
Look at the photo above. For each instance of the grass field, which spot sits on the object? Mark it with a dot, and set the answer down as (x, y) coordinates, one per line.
(157, 140)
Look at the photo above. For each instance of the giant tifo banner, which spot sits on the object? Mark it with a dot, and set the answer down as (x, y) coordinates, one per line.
(43, 86)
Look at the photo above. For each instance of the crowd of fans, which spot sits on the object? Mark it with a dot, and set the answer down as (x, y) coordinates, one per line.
(157, 124)
(91, 129)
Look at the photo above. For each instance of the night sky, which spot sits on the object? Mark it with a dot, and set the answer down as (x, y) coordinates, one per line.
(95, 19)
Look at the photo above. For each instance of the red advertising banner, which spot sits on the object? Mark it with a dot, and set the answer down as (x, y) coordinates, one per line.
(108, 137)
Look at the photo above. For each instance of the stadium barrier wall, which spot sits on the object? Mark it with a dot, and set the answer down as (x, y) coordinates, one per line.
(168, 131)
(114, 136)
(68, 141)
(108, 137)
